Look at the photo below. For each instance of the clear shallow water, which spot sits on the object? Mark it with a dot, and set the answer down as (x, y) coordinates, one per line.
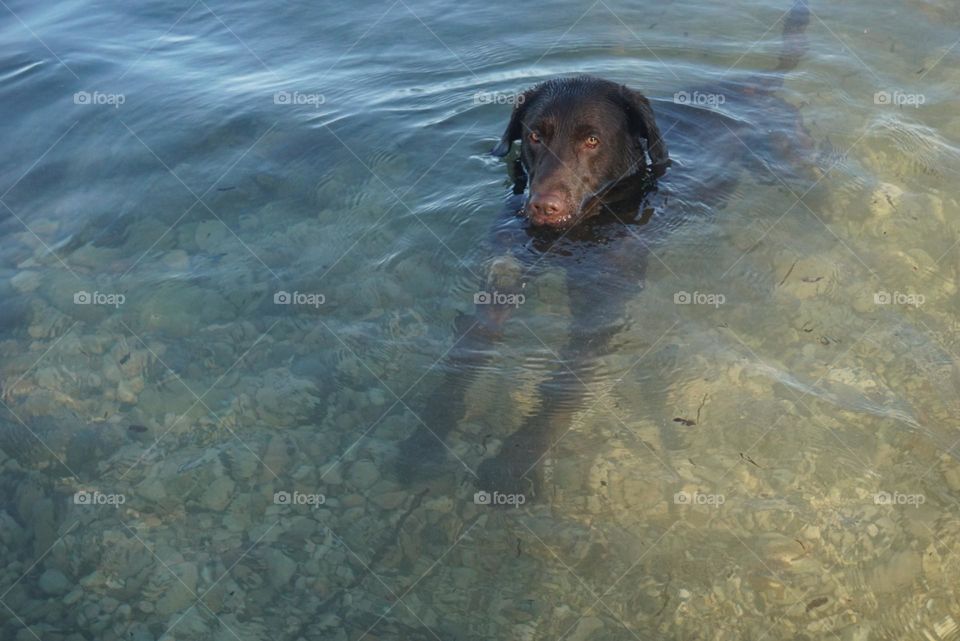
(197, 401)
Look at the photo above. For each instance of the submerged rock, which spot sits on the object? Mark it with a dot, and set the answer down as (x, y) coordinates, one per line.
(53, 582)
(281, 568)
(898, 572)
(364, 474)
(217, 495)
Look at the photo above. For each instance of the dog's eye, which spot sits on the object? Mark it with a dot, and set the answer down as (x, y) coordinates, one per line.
(592, 141)
(534, 137)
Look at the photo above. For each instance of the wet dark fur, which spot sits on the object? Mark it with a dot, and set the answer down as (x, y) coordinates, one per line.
(568, 178)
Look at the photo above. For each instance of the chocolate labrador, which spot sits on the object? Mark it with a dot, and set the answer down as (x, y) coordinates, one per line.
(600, 194)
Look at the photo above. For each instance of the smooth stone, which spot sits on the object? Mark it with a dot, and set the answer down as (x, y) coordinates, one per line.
(140, 632)
(217, 495)
(281, 568)
(73, 597)
(331, 473)
(213, 236)
(54, 582)
(390, 500)
(952, 477)
(26, 281)
(180, 594)
(586, 629)
(152, 489)
(177, 259)
(363, 474)
(900, 571)
(377, 397)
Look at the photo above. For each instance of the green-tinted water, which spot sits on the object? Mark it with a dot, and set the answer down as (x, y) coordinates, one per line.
(237, 238)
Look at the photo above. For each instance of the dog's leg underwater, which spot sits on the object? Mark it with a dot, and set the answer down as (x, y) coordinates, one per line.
(475, 340)
(598, 313)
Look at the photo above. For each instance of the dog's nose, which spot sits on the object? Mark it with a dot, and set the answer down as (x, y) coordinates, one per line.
(545, 205)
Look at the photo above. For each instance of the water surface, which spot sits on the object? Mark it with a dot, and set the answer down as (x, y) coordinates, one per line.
(236, 240)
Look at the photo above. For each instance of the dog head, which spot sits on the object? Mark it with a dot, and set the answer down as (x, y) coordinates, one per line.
(580, 137)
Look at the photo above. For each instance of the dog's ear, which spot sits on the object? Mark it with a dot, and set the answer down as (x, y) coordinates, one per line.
(644, 125)
(514, 130)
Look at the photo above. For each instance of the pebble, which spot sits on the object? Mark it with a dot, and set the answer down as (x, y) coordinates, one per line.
(140, 632)
(281, 568)
(587, 629)
(377, 396)
(952, 476)
(217, 495)
(180, 593)
(243, 463)
(54, 582)
(213, 236)
(128, 391)
(26, 281)
(73, 596)
(390, 500)
(898, 572)
(331, 473)
(363, 474)
(152, 489)
(108, 604)
(177, 259)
